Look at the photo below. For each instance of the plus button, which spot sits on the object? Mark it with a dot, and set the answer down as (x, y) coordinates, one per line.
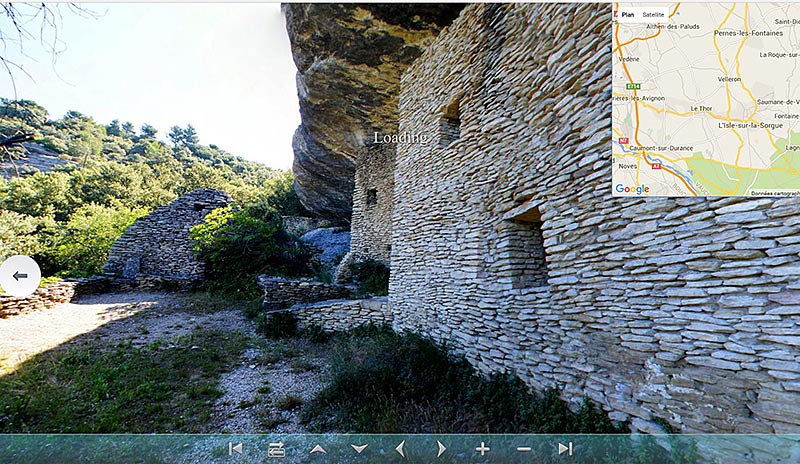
(482, 449)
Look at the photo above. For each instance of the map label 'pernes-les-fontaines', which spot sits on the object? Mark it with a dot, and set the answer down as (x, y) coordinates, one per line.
(705, 100)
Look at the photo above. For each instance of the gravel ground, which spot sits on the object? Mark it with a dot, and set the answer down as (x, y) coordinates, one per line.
(255, 392)
(139, 318)
(246, 406)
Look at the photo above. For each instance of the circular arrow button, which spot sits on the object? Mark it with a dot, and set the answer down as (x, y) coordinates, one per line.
(20, 276)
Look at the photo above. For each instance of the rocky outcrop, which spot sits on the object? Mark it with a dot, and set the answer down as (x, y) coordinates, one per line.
(349, 60)
(332, 243)
(35, 159)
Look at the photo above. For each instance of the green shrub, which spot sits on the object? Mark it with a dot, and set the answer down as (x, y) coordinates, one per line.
(84, 243)
(237, 244)
(408, 384)
(372, 277)
(277, 325)
(18, 234)
(316, 334)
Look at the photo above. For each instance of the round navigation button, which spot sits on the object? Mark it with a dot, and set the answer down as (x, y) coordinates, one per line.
(19, 276)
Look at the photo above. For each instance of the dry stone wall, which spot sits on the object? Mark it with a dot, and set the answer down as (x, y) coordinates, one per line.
(341, 315)
(159, 244)
(48, 296)
(372, 203)
(280, 293)
(45, 297)
(684, 309)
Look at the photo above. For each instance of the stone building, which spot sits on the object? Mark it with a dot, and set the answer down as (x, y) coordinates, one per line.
(507, 241)
(371, 224)
(508, 244)
(159, 244)
(371, 221)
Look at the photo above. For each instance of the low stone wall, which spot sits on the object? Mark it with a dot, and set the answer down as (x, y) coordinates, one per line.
(341, 315)
(149, 283)
(280, 293)
(43, 298)
(49, 296)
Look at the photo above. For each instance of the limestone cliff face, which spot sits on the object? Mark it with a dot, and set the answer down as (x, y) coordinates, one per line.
(349, 59)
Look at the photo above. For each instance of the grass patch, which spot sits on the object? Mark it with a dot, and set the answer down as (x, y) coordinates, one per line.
(209, 301)
(277, 325)
(269, 420)
(301, 365)
(289, 402)
(383, 382)
(86, 389)
(265, 389)
(278, 353)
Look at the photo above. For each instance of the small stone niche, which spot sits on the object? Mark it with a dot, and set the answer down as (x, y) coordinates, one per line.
(450, 123)
(372, 197)
(523, 253)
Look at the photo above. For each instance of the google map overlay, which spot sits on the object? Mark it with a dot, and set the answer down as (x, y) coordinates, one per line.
(706, 99)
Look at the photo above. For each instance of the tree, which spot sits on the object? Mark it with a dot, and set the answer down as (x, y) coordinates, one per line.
(114, 128)
(184, 137)
(128, 130)
(148, 132)
(26, 111)
(190, 136)
(18, 234)
(87, 237)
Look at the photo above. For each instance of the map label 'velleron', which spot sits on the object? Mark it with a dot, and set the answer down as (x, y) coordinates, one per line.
(705, 99)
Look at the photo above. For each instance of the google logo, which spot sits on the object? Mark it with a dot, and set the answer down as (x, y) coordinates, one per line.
(638, 190)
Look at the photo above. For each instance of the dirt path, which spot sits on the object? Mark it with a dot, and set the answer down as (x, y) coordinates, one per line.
(261, 394)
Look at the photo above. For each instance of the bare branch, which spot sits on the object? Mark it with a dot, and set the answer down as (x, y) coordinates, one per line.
(23, 19)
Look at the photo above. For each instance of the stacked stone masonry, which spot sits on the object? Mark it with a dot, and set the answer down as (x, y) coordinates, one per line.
(371, 224)
(159, 243)
(683, 309)
(280, 293)
(45, 297)
(341, 315)
(65, 291)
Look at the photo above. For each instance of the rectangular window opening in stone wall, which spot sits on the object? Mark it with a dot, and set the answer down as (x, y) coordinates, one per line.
(450, 123)
(372, 197)
(522, 254)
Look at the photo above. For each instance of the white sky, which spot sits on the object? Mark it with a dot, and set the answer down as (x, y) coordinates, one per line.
(227, 69)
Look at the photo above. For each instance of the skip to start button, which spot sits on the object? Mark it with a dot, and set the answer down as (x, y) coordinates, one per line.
(19, 276)
(641, 14)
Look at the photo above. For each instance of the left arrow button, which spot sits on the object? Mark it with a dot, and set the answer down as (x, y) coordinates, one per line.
(19, 276)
